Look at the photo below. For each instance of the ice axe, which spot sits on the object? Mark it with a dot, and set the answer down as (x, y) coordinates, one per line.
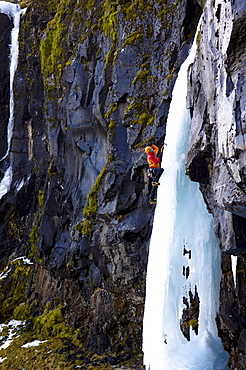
(163, 147)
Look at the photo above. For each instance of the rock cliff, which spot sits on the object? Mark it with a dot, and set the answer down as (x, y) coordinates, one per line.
(93, 87)
(216, 153)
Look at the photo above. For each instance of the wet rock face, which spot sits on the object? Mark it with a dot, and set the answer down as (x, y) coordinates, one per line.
(216, 151)
(93, 87)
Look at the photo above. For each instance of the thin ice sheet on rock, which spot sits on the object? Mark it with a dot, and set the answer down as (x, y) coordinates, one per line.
(5, 182)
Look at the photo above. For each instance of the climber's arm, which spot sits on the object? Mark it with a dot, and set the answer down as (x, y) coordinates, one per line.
(155, 148)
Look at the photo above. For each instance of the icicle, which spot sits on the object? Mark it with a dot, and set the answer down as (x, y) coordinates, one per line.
(184, 256)
(234, 269)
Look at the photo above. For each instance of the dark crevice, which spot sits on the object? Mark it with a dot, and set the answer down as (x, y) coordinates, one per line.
(218, 11)
(198, 168)
(104, 92)
(239, 226)
(123, 99)
(193, 13)
(236, 52)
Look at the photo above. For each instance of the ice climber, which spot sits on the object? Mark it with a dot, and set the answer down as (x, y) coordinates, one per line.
(154, 171)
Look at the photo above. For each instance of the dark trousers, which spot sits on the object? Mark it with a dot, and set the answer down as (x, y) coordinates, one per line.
(157, 172)
(153, 193)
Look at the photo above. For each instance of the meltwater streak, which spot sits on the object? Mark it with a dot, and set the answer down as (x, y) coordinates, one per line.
(181, 220)
(13, 11)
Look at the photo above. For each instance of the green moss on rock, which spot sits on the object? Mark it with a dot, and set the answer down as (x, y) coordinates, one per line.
(52, 52)
(144, 143)
(112, 124)
(133, 38)
(13, 299)
(22, 312)
(109, 19)
(48, 355)
(35, 238)
(92, 205)
(145, 119)
(113, 107)
(51, 324)
(141, 76)
(84, 227)
(53, 46)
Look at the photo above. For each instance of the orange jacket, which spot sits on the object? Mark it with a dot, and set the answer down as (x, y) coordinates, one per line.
(153, 160)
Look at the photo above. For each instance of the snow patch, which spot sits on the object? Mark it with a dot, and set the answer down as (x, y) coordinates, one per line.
(35, 343)
(25, 260)
(4, 274)
(12, 327)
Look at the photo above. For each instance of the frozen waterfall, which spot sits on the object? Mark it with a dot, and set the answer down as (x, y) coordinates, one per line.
(184, 258)
(13, 11)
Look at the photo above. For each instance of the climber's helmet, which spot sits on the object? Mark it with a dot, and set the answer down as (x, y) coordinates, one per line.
(148, 149)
